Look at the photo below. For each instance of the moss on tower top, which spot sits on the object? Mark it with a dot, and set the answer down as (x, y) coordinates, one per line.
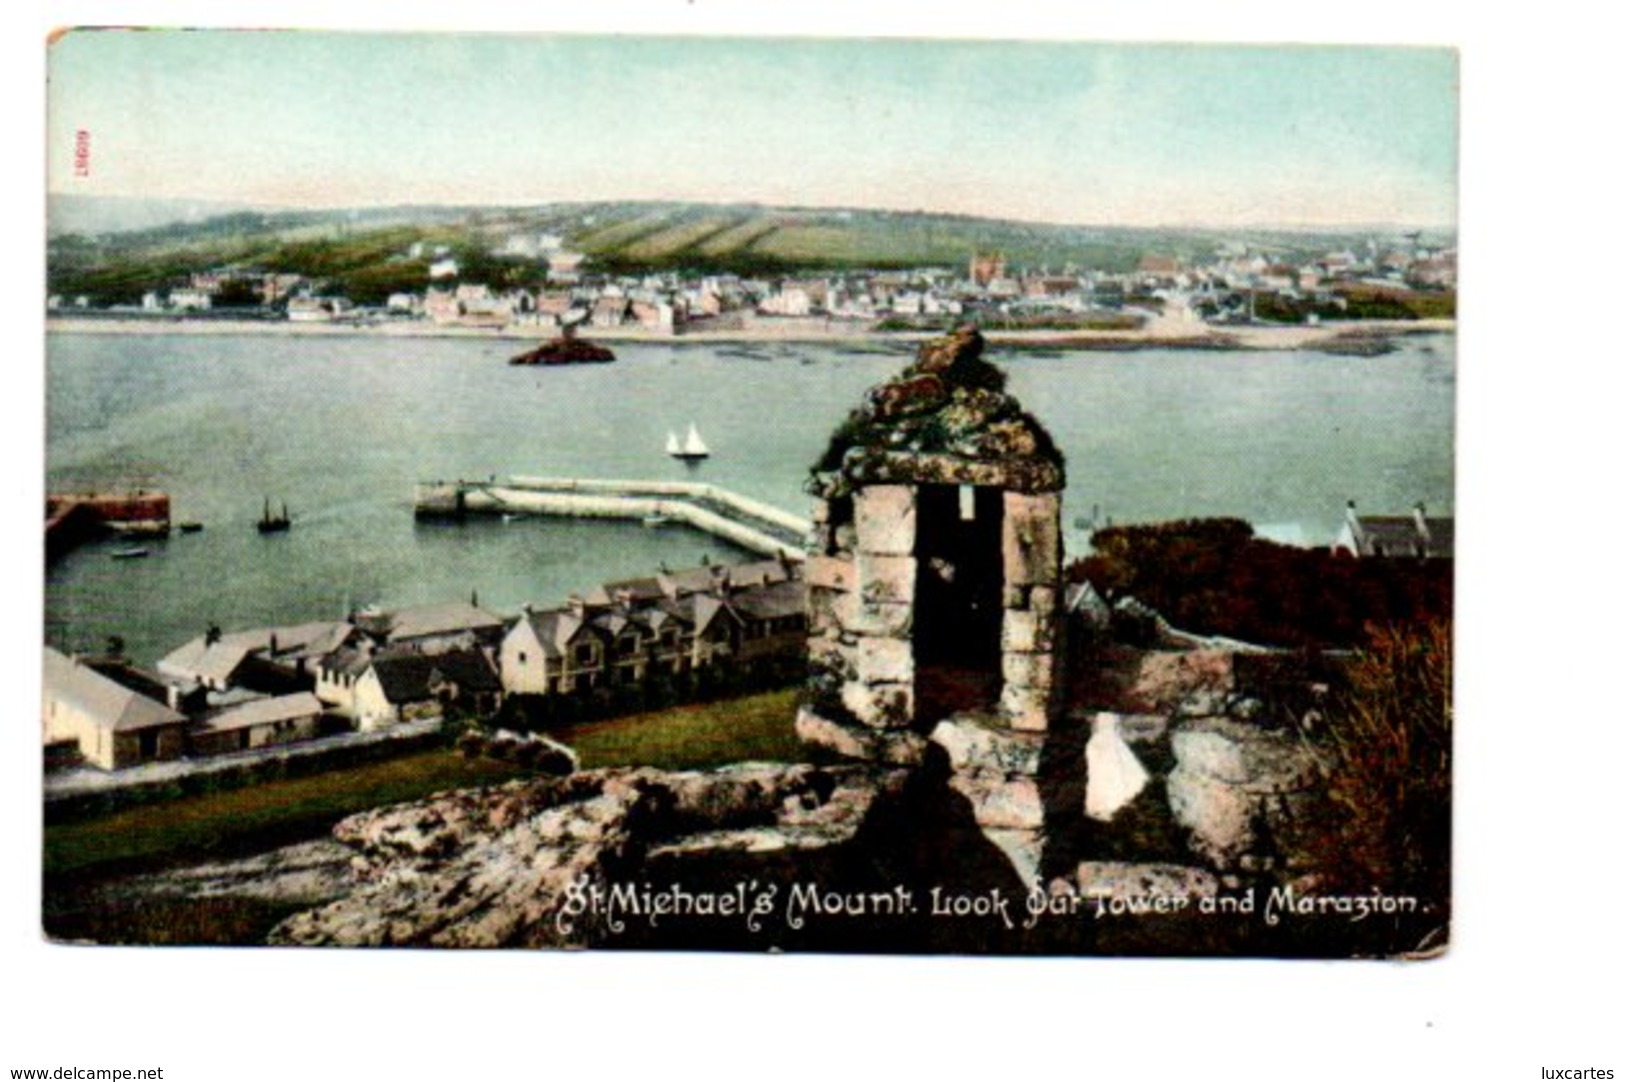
(944, 419)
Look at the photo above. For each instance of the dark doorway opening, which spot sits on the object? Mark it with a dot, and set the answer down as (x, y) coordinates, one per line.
(958, 599)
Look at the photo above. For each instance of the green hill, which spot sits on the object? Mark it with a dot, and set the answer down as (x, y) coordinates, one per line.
(367, 254)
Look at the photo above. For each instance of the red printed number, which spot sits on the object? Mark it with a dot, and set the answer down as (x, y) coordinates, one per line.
(81, 153)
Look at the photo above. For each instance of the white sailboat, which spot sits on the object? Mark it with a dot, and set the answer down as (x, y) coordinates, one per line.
(692, 448)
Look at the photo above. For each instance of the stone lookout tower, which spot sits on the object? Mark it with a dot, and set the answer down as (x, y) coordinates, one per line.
(934, 567)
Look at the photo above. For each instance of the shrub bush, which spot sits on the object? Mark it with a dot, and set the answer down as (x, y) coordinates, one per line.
(1384, 751)
(1213, 577)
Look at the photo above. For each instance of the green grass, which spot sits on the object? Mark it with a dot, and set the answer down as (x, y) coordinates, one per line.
(757, 727)
(163, 922)
(679, 237)
(271, 813)
(80, 858)
(287, 810)
(363, 255)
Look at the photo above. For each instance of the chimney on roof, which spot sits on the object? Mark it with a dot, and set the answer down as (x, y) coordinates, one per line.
(577, 605)
(1423, 534)
(526, 609)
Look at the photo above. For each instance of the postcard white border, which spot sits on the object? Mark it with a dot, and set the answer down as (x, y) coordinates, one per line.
(1538, 721)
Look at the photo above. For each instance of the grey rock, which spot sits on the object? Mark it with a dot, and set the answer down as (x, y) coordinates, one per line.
(975, 743)
(857, 741)
(1117, 879)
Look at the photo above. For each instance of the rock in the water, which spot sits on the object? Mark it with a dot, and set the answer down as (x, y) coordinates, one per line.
(565, 350)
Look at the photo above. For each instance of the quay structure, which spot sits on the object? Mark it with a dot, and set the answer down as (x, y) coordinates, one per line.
(740, 520)
(75, 517)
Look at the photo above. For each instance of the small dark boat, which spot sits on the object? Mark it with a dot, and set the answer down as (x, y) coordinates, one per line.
(278, 524)
(189, 527)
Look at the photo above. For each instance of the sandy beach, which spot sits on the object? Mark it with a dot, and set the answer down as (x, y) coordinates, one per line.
(1157, 333)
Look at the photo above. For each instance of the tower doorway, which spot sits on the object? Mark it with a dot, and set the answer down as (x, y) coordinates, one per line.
(959, 592)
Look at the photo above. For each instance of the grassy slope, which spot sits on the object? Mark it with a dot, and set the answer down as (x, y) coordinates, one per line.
(366, 249)
(83, 859)
(691, 737)
(224, 822)
(242, 820)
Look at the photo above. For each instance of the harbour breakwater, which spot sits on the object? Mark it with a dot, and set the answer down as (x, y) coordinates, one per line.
(74, 517)
(749, 523)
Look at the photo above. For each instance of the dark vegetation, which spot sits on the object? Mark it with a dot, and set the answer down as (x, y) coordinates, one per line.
(1376, 715)
(1213, 577)
(1385, 755)
(1359, 302)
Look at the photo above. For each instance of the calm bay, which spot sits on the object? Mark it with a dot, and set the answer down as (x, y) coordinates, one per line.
(340, 428)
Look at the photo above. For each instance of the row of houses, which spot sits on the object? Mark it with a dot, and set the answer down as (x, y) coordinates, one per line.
(234, 691)
(567, 292)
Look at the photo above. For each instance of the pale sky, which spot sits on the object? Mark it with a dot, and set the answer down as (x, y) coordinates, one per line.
(1095, 134)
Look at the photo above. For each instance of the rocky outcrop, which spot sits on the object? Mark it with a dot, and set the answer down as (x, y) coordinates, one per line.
(1241, 791)
(565, 350)
(896, 747)
(1024, 790)
(510, 866)
(1124, 881)
(534, 750)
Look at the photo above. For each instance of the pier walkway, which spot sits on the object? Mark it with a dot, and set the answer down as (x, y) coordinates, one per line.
(740, 520)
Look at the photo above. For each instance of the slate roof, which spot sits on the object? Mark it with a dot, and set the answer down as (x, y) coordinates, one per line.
(707, 609)
(556, 629)
(110, 705)
(408, 678)
(773, 602)
(690, 580)
(265, 712)
(638, 590)
(446, 618)
(759, 573)
(348, 661)
(202, 660)
(1397, 535)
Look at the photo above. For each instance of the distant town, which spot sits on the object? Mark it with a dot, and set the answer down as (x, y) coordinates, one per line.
(541, 280)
